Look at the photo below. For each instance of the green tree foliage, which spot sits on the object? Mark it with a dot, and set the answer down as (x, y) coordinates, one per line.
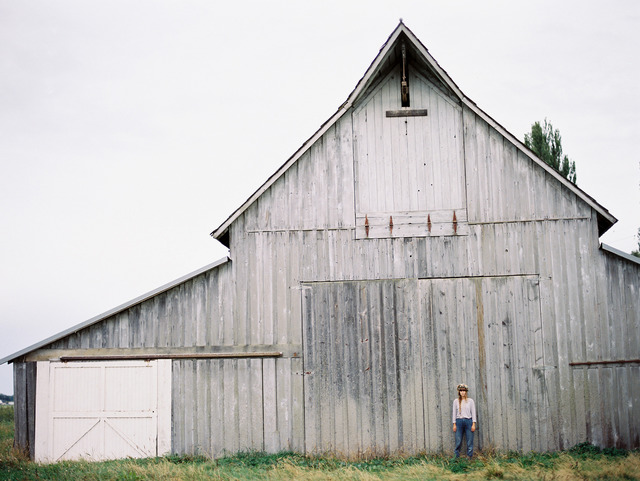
(546, 143)
(637, 251)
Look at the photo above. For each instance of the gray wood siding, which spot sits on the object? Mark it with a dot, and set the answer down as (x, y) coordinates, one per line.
(228, 405)
(316, 192)
(382, 360)
(561, 252)
(362, 392)
(332, 254)
(408, 168)
(623, 298)
(612, 390)
(195, 313)
(218, 406)
(503, 184)
(24, 390)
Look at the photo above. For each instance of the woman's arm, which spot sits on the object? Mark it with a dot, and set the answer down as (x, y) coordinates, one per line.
(454, 410)
(473, 415)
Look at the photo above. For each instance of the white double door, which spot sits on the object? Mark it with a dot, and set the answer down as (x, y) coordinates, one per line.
(102, 410)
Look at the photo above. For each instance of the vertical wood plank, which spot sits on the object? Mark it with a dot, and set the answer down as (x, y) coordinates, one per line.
(43, 429)
(284, 404)
(271, 438)
(164, 374)
(231, 411)
(217, 419)
(309, 349)
(177, 408)
(20, 416)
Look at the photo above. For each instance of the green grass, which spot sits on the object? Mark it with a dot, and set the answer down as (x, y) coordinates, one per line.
(582, 462)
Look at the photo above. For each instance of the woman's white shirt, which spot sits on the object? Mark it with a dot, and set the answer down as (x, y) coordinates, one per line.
(467, 410)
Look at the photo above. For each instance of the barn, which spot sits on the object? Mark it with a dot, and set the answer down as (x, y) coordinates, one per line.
(410, 244)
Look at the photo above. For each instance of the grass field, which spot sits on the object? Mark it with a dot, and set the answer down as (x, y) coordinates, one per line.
(583, 462)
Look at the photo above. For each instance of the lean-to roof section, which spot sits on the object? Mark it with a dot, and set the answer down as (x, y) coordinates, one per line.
(386, 58)
(631, 258)
(115, 310)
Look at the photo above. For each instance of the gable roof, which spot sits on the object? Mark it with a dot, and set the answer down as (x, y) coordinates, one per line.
(115, 310)
(418, 54)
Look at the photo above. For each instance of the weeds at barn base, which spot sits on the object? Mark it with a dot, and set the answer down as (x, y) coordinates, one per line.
(582, 462)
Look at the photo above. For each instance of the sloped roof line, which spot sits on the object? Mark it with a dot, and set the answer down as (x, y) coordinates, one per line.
(601, 210)
(619, 253)
(504, 132)
(442, 74)
(220, 231)
(114, 311)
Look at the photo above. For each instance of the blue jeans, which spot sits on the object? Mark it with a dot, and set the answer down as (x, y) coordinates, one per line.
(463, 427)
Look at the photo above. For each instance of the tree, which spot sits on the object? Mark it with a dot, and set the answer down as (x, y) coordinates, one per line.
(546, 143)
(637, 252)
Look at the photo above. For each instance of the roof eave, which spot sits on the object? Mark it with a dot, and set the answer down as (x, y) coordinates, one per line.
(114, 311)
(220, 233)
(619, 253)
(605, 219)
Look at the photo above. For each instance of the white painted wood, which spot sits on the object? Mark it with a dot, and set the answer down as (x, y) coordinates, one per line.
(164, 406)
(42, 437)
(101, 410)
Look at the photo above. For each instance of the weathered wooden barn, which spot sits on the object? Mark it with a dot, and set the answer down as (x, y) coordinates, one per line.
(410, 244)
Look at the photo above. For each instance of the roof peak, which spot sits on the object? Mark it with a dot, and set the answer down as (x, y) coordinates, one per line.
(422, 55)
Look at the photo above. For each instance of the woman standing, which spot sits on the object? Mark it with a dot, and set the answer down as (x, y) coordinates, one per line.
(464, 419)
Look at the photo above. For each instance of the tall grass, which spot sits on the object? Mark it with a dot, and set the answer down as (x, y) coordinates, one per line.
(583, 462)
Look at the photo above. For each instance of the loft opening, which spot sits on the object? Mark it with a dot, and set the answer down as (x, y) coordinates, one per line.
(405, 94)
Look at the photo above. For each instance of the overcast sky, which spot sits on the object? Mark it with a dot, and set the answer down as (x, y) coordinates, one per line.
(129, 130)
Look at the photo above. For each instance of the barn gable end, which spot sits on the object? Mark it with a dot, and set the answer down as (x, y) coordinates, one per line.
(409, 245)
(420, 61)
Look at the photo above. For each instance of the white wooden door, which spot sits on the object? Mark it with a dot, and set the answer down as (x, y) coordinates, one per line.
(102, 410)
